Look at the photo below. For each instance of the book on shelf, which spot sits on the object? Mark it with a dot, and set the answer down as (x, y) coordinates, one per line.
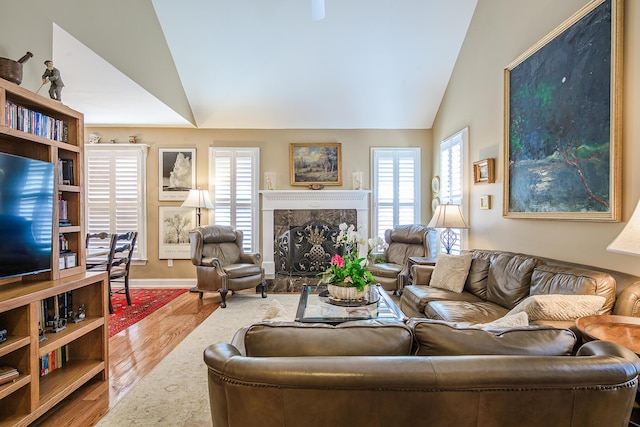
(53, 360)
(8, 374)
(65, 172)
(35, 123)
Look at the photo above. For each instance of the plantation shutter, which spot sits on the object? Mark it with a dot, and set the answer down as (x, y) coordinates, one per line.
(396, 188)
(452, 177)
(234, 174)
(116, 192)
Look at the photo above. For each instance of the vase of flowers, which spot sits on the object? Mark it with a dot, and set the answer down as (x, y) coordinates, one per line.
(347, 278)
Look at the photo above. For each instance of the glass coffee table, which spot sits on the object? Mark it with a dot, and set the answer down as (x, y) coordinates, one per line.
(315, 307)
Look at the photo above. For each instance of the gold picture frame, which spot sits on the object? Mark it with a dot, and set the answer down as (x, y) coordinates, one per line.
(562, 154)
(315, 164)
(484, 171)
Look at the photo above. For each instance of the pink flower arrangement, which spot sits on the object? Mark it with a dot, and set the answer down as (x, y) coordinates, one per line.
(348, 270)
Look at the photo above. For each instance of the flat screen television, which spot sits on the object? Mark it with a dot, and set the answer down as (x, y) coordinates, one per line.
(26, 215)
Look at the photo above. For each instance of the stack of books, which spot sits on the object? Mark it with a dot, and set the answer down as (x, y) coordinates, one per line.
(8, 374)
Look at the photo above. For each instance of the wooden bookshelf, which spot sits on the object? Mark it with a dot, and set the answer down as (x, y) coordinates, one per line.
(85, 343)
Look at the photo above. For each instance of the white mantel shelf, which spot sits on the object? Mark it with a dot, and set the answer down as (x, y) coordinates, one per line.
(306, 199)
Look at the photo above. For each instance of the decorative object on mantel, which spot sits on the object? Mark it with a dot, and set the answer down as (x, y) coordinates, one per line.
(113, 141)
(356, 179)
(269, 181)
(316, 163)
(348, 277)
(316, 186)
(448, 216)
(12, 70)
(132, 139)
(484, 171)
(94, 138)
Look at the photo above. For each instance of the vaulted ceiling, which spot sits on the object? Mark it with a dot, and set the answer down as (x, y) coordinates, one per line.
(261, 64)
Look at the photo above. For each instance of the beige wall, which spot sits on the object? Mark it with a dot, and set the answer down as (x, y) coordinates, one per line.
(274, 157)
(500, 31)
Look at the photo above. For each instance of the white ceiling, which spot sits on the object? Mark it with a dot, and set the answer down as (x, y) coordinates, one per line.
(265, 64)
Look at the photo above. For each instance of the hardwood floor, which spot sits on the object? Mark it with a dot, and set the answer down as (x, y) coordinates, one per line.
(133, 353)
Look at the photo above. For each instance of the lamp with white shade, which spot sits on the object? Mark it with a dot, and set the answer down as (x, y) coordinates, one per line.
(198, 199)
(628, 241)
(448, 216)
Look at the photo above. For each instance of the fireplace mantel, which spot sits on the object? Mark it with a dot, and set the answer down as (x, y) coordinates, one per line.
(306, 199)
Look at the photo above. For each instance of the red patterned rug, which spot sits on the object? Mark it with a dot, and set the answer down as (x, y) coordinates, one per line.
(143, 303)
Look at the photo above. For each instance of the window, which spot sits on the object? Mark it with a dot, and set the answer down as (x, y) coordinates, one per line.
(453, 177)
(396, 188)
(116, 191)
(233, 181)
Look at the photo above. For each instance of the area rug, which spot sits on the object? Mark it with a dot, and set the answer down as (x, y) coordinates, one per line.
(175, 392)
(143, 303)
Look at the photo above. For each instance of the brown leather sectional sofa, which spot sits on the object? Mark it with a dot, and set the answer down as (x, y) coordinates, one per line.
(499, 280)
(367, 373)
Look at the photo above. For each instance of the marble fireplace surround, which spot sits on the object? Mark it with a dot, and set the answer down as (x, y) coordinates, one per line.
(274, 200)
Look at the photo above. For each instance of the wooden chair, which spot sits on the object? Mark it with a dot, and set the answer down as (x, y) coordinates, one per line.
(98, 246)
(120, 257)
(118, 263)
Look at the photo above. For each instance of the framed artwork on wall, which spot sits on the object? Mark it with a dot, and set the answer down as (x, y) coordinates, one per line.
(177, 173)
(562, 122)
(174, 224)
(316, 164)
(484, 171)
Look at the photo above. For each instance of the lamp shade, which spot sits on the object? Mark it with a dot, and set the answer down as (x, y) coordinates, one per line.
(628, 241)
(198, 199)
(448, 216)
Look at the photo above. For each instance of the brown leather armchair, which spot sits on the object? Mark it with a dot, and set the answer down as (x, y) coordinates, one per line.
(403, 241)
(221, 264)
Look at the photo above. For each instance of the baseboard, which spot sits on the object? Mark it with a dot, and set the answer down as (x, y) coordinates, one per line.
(162, 283)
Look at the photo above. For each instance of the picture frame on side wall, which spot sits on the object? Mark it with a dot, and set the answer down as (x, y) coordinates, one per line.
(315, 164)
(177, 173)
(562, 123)
(484, 171)
(174, 224)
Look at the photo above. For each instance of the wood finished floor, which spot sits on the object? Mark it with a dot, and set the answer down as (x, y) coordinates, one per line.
(133, 353)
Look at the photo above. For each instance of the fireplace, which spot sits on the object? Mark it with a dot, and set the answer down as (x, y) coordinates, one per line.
(296, 225)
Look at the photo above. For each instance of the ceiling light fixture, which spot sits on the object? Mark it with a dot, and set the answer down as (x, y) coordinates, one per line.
(317, 10)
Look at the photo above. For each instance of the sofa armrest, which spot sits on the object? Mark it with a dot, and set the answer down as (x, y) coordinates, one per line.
(628, 302)
(421, 274)
(608, 348)
(250, 258)
(211, 262)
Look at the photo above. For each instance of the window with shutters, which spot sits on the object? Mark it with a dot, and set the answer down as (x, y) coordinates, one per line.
(453, 178)
(233, 184)
(116, 191)
(395, 188)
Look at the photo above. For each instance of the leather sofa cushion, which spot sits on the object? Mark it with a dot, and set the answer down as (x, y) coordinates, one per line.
(385, 270)
(464, 311)
(439, 338)
(242, 270)
(356, 338)
(419, 296)
(509, 279)
(550, 279)
(477, 279)
(226, 252)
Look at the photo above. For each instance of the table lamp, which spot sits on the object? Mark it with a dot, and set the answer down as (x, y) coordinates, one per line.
(448, 216)
(198, 199)
(628, 241)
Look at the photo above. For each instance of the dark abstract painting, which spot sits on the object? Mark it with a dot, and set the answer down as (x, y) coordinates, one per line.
(559, 142)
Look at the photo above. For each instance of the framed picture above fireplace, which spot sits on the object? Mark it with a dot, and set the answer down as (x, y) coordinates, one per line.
(316, 163)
